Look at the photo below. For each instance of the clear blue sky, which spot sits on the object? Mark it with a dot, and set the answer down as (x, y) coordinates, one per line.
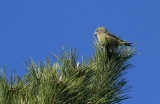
(37, 28)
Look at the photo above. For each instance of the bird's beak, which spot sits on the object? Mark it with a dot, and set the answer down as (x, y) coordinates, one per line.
(94, 34)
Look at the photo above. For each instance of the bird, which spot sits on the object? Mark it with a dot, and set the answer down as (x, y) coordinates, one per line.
(106, 38)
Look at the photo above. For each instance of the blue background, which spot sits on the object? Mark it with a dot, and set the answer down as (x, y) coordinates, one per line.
(37, 28)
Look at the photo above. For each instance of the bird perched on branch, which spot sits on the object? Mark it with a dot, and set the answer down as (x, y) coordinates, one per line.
(105, 37)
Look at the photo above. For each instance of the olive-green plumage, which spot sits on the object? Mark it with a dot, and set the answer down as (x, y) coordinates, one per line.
(105, 37)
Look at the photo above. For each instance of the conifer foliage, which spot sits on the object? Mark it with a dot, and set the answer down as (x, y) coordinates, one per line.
(98, 79)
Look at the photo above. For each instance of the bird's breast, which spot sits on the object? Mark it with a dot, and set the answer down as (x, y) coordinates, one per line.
(101, 38)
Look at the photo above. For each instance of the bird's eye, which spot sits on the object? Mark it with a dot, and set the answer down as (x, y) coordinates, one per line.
(97, 30)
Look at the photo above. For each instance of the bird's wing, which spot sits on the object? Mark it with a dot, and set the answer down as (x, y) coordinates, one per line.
(111, 35)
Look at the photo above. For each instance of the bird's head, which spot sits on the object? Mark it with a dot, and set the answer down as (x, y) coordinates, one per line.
(100, 30)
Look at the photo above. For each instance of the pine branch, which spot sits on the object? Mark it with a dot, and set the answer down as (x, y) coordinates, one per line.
(98, 79)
